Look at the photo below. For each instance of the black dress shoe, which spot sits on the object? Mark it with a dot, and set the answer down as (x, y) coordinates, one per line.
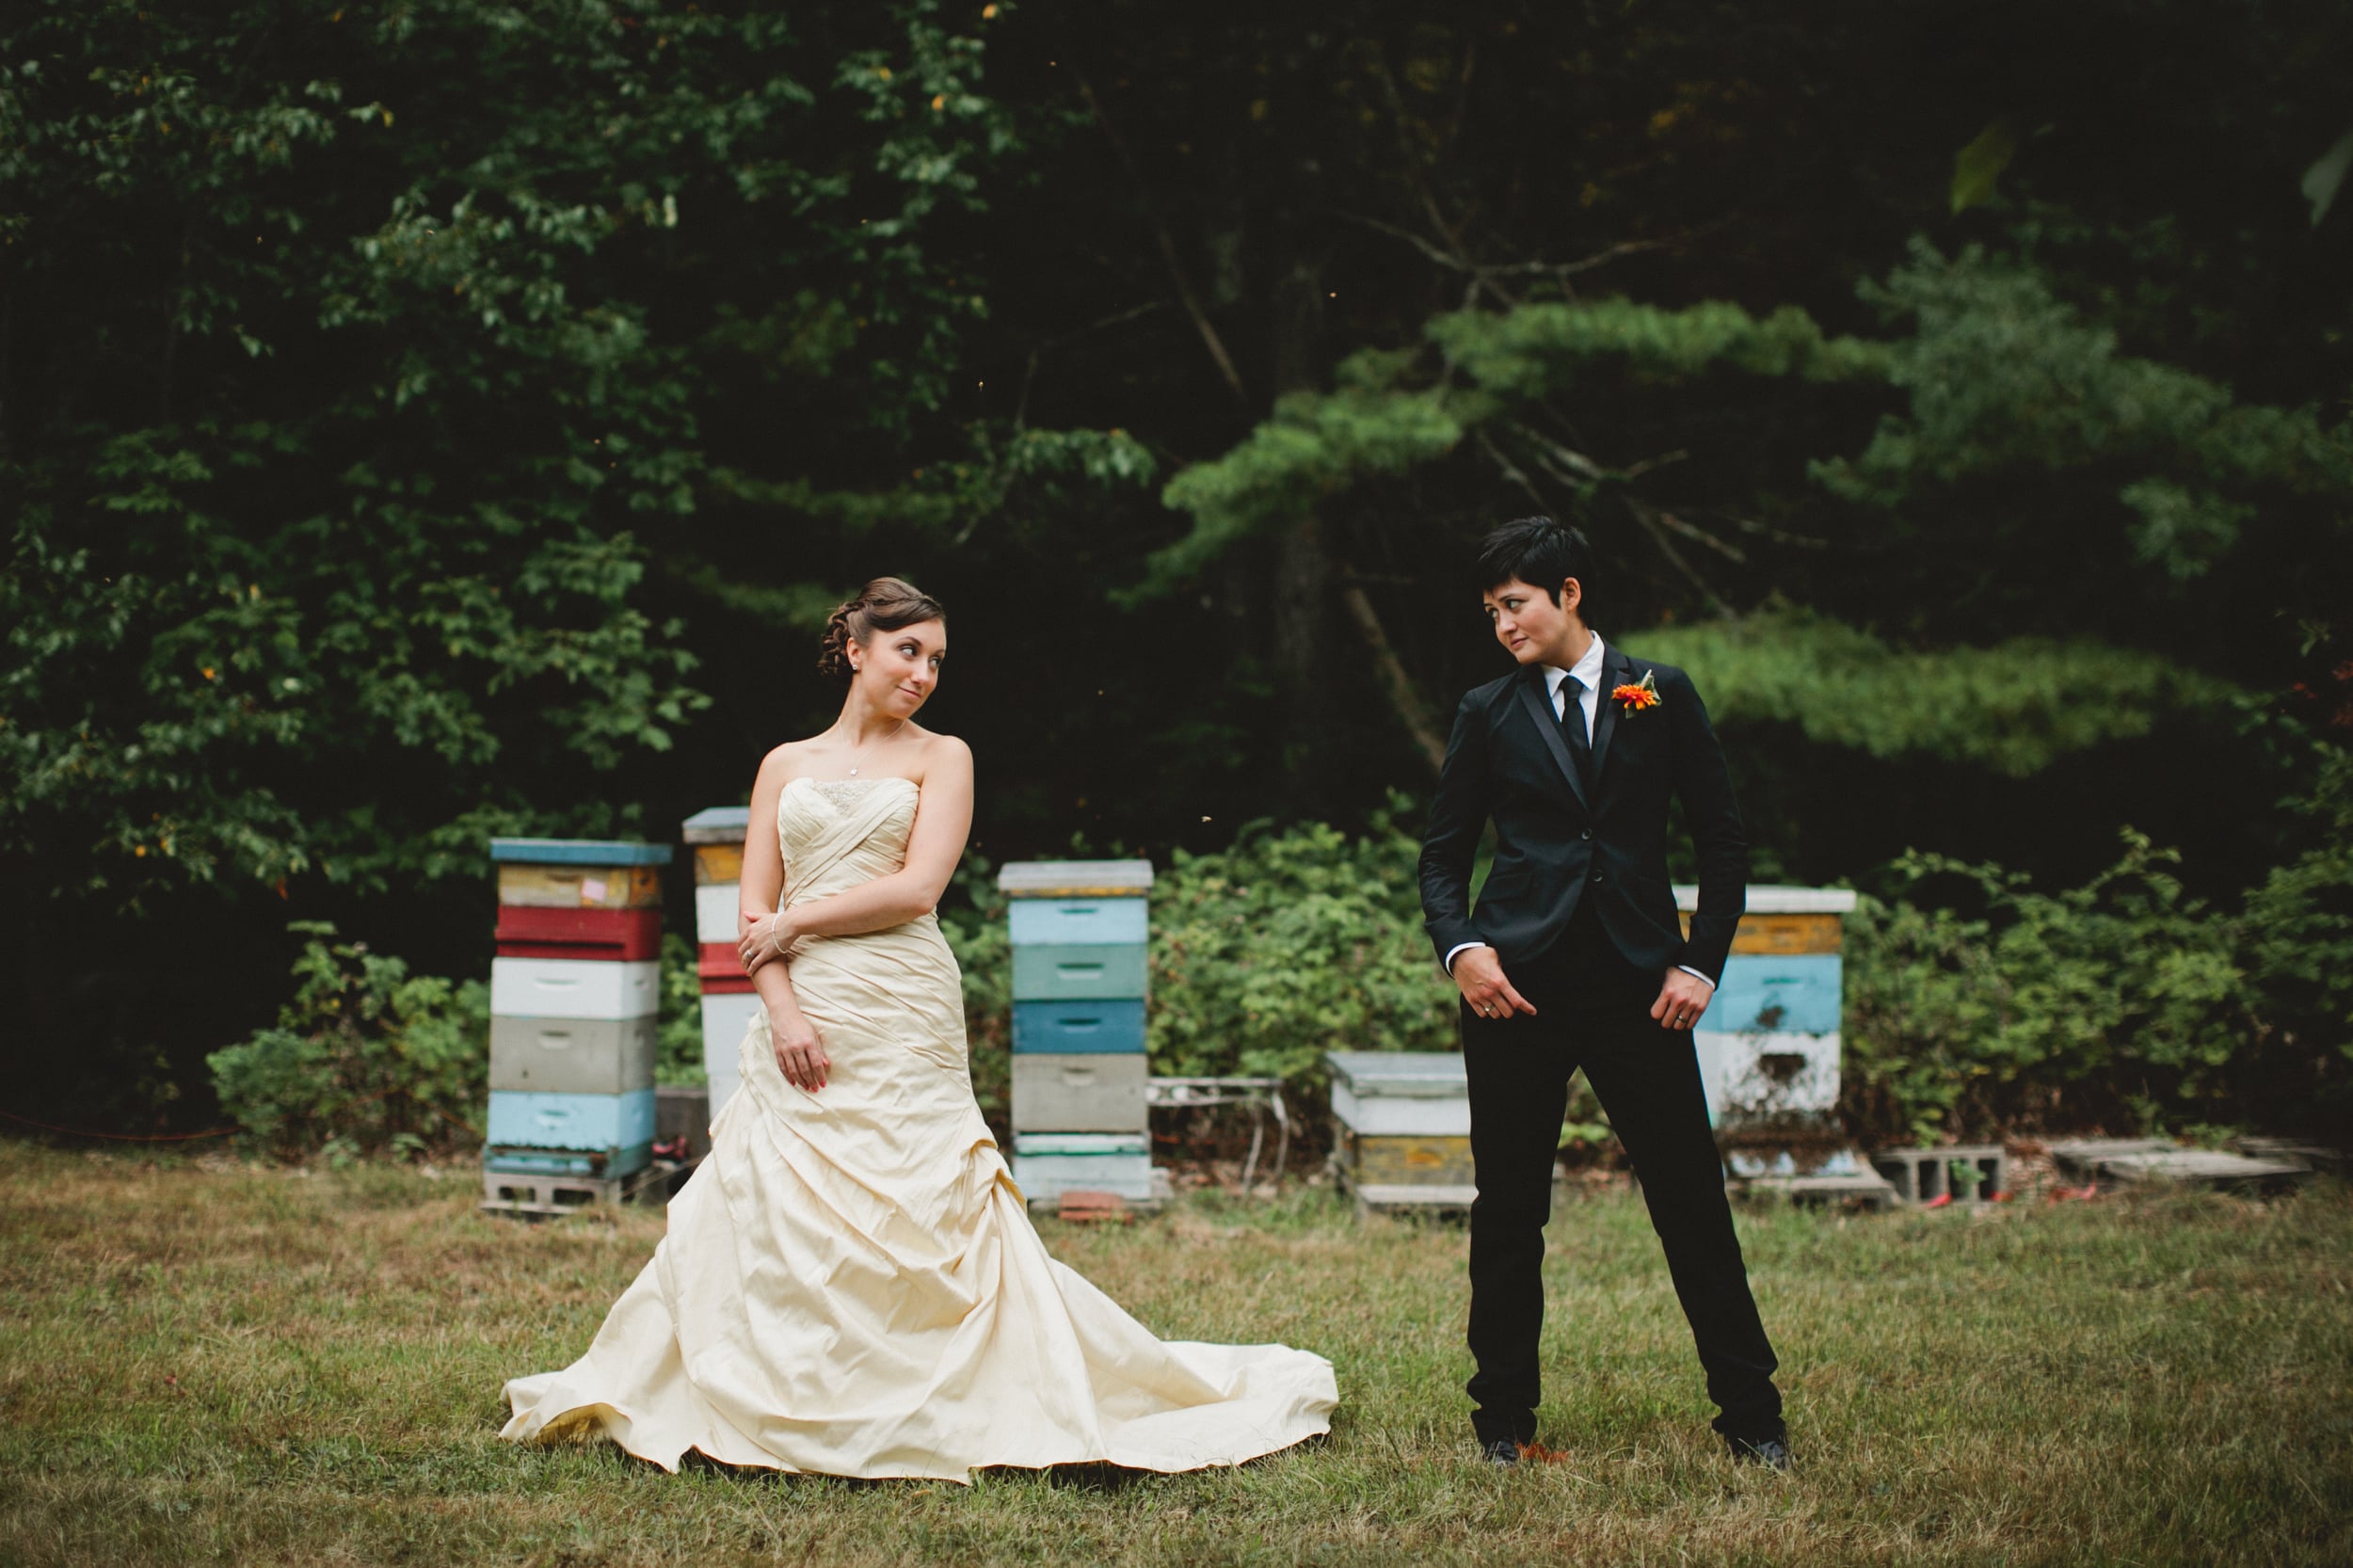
(1771, 1452)
(1501, 1452)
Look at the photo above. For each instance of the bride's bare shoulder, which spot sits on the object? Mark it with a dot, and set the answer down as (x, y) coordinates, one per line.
(780, 765)
(944, 754)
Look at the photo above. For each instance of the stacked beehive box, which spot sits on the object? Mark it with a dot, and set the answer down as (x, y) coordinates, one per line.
(728, 1001)
(1768, 1042)
(1403, 1127)
(574, 993)
(1078, 1075)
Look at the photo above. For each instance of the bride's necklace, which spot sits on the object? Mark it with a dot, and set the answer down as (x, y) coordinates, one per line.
(860, 750)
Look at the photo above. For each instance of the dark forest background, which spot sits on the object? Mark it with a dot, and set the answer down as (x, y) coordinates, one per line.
(429, 420)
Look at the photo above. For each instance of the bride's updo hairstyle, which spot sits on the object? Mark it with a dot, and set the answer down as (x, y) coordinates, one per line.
(885, 605)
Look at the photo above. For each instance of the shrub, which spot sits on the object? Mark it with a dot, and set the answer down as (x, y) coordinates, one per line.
(2121, 1003)
(365, 1058)
(680, 1041)
(1290, 944)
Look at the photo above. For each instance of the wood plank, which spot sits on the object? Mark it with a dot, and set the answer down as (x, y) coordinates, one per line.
(1404, 1160)
(718, 863)
(539, 887)
(1783, 934)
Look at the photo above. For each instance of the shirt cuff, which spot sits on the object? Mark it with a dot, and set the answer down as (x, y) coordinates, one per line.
(1458, 950)
(1685, 967)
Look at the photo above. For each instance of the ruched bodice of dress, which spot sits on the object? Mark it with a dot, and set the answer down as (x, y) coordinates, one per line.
(851, 1284)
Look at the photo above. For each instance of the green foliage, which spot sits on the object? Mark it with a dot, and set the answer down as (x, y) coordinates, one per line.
(1292, 943)
(978, 936)
(2118, 1001)
(2298, 948)
(330, 557)
(680, 1041)
(2014, 707)
(1388, 413)
(365, 1058)
(2005, 378)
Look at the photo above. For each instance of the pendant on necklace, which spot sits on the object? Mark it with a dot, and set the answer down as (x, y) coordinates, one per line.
(854, 772)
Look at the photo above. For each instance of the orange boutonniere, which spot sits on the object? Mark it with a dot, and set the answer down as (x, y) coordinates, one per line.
(1637, 694)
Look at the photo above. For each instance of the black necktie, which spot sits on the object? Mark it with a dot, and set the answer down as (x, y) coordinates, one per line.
(1573, 726)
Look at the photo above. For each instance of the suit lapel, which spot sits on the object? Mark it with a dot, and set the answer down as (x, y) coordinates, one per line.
(1533, 697)
(1615, 669)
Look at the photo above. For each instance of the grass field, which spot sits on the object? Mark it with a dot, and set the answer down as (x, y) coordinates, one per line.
(207, 1363)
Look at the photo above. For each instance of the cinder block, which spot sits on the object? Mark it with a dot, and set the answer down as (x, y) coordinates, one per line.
(1923, 1176)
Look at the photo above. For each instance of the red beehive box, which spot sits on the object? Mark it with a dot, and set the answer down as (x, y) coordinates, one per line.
(720, 969)
(615, 935)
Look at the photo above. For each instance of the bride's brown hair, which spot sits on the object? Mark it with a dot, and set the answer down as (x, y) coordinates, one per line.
(885, 605)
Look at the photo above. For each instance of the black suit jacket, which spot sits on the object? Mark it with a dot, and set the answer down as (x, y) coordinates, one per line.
(1559, 843)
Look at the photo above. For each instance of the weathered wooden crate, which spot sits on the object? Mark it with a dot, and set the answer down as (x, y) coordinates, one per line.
(580, 887)
(608, 936)
(1079, 971)
(1079, 922)
(574, 989)
(1047, 1164)
(573, 1056)
(1068, 1091)
(1113, 1024)
(1402, 1127)
(545, 1121)
(1758, 1076)
(1405, 1160)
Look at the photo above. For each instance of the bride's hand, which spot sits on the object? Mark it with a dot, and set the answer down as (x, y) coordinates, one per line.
(769, 938)
(799, 1056)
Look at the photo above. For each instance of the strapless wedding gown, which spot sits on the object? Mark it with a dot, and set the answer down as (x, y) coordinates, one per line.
(851, 1285)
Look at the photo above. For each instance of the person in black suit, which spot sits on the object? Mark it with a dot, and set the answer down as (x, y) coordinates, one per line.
(1575, 957)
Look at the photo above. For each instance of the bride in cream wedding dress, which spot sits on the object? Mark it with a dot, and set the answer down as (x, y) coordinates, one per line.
(851, 1285)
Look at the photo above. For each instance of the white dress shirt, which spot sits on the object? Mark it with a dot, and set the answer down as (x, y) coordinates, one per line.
(1588, 672)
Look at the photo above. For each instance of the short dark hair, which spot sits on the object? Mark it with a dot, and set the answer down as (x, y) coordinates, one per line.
(1539, 553)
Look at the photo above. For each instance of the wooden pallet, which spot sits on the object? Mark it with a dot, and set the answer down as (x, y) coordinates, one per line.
(1864, 1189)
(2141, 1162)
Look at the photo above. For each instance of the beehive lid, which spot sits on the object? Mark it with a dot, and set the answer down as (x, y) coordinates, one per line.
(719, 825)
(1075, 879)
(1400, 1074)
(579, 852)
(1772, 900)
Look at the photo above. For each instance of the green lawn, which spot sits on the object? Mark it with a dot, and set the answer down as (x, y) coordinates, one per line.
(210, 1363)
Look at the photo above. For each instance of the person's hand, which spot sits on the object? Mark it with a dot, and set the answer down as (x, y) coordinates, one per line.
(1479, 974)
(1682, 998)
(765, 940)
(799, 1056)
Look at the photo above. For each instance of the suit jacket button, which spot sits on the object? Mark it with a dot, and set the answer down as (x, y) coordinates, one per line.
(1598, 877)
(1587, 834)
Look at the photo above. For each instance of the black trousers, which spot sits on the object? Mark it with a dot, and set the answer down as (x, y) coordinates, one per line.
(1592, 1011)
